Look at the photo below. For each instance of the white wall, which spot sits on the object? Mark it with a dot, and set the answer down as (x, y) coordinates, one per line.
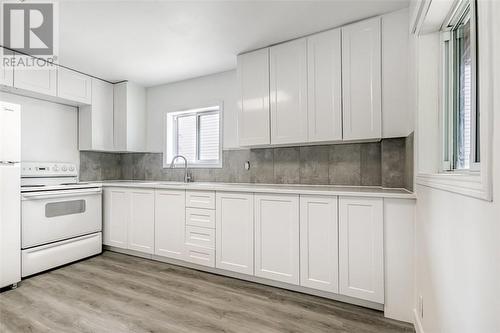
(194, 93)
(457, 237)
(49, 131)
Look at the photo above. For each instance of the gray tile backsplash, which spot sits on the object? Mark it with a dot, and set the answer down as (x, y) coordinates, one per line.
(384, 163)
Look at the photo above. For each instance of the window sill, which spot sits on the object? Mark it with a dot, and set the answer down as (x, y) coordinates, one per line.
(470, 184)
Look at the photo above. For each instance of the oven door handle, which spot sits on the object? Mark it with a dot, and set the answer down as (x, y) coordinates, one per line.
(61, 194)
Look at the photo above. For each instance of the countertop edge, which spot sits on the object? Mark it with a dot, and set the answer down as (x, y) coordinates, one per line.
(361, 191)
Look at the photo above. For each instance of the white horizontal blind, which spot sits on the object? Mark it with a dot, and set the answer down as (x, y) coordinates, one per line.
(196, 135)
(209, 137)
(186, 137)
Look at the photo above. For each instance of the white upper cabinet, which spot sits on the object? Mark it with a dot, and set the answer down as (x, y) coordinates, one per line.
(96, 120)
(6, 72)
(234, 232)
(397, 118)
(319, 243)
(324, 70)
(170, 223)
(129, 117)
(361, 248)
(288, 94)
(253, 116)
(142, 220)
(361, 80)
(277, 237)
(74, 86)
(42, 79)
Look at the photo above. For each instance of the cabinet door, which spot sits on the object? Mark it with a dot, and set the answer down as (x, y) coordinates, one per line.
(170, 223)
(324, 72)
(277, 237)
(319, 243)
(361, 258)
(141, 226)
(96, 121)
(116, 216)
(74, 86)
(234, 232)
(288, 71)
(129, 117)
(41, 80)
(361, 80)
(6, 72)
(253, 116)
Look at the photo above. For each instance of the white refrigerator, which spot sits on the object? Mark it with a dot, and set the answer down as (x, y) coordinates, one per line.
(10, 188)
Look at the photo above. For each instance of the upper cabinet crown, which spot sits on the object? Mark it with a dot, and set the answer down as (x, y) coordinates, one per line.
(361, 80)
(327, 87)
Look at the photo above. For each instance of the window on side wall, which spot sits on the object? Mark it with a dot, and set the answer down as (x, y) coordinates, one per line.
(195, 134)
(460, 112)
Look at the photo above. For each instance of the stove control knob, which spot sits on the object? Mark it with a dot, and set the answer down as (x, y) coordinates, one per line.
(64, 168)
(71, 168)
(55, 168)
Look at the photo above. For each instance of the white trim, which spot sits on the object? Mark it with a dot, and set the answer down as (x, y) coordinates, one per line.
(214, 107)
(419, 328)
(476, 184)
(467, 183)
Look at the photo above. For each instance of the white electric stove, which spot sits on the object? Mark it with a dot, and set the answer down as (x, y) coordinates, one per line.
(61, 218)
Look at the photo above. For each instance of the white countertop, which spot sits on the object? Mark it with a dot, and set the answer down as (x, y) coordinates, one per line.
(359, 191)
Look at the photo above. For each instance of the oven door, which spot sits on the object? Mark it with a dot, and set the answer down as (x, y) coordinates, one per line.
(50, 216)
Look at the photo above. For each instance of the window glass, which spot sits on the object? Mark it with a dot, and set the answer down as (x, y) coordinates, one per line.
(209, 137)
(464, 100)
(186, 137)
(196, 135)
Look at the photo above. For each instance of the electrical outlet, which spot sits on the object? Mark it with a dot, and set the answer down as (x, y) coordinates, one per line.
(421, 306)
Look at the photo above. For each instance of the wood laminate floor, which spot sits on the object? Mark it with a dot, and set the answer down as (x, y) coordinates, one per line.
(119, 293)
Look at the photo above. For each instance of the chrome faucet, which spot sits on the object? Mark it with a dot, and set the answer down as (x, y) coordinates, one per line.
(187, 176)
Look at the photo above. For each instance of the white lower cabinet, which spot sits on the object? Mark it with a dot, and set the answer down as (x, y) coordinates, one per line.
(116, 216)
(319, 243)
(329, 243)
(142, 221)
(361, 247)
(129, 219)
(234, 232)
(277, 237)
(170, 219)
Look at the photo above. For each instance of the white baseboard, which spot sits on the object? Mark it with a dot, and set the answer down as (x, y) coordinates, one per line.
(417, 323)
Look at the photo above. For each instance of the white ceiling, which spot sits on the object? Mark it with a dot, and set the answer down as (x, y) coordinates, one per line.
(155, 42)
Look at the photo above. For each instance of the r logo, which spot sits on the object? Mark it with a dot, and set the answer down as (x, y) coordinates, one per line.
(29, 27)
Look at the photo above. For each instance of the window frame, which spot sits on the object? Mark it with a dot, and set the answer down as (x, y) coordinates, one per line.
(170, 130)
(478, 185)
(463, 10)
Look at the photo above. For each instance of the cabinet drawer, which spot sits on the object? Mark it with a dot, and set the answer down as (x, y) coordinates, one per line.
(200, 255)
(200, 199)
(198, 217)
(203, 237)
